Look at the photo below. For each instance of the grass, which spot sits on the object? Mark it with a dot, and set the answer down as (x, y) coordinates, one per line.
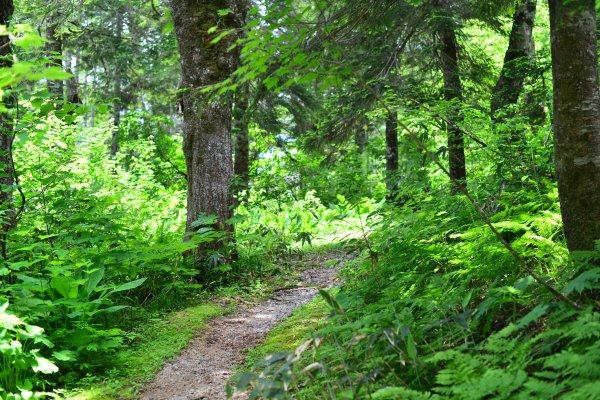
(160, 340)
(291, 332)
(285, 337)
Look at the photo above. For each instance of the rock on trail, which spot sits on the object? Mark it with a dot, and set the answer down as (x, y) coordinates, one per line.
(200, 371)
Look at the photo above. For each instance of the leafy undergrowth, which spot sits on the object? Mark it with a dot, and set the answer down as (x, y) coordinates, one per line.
(158, 337)
(438, 309)
(99, 246)
(158, 340)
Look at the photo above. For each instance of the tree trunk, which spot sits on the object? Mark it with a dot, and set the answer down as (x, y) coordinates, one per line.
(206, 123)
(241, 167)
(72, 84)
(7, 210)
(391, 157)
(576, 121)
(361, 138)
(114, 143)
(53, 50)
(521, 49)
(520, 52)
(453, 93)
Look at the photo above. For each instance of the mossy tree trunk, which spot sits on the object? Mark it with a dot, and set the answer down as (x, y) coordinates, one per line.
(518, 59)
(576, 121)
(241, 167)
(53, 50)
(207, 123)
(452, 94)
(7, 209)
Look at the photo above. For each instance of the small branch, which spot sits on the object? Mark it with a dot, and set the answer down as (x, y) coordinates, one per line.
(291, 287)
(167, 160)
(450, 122)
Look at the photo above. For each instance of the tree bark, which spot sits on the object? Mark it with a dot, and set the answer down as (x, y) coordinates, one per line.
(114, 143)
(576, 121)
(452, 93)
(53, 50)
(206, 122)
(241, 167)
(391, 157)
(72, 83)
(7, 209)
(521, 50)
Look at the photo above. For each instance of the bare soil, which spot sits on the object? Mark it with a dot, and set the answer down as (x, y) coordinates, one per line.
(201, 371)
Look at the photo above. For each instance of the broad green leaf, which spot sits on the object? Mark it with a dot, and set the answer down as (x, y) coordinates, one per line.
(65, 285)
(129, 285)
(44, 365)
(411, 348)
(93, 279)
(56, 74)
(65, 355)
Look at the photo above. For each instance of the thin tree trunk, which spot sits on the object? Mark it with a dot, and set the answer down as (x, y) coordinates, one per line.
(53, 50)
(361, 138)
(7, 209)
(206, 123)
(72, 83)
(453, 93)
(576, 120)
(241, 167)
(391, 157)
(521, 50)
(114, 143)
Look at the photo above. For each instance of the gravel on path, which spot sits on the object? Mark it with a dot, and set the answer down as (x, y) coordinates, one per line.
(201, 371)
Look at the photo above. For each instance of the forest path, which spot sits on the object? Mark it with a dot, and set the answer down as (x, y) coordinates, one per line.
(200, 371)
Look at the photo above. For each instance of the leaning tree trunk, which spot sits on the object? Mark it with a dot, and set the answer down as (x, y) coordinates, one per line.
(576, 120)
(391, 156)
(206, 122)
(7, 210)
(452, 93)
(520, 53)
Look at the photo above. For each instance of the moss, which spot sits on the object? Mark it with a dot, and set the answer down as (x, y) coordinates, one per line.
(291, 332)
(161, 339)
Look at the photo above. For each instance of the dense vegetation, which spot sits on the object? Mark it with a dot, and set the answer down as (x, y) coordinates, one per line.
(452, 145)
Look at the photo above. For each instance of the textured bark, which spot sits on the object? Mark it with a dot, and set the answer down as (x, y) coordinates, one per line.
(391, 156)
(7, 210)
(576, 119)
(206, 124)
(241, 167)
(521, 50)
(72, 83)
(114, 143)
(53, 50)
(452, 92)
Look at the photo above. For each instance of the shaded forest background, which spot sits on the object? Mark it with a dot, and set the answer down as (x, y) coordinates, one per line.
(155, 154)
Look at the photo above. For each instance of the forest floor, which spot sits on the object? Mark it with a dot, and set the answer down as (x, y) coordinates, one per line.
(201, 371)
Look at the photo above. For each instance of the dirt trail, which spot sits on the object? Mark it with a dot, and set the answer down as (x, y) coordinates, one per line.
(201, 371)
